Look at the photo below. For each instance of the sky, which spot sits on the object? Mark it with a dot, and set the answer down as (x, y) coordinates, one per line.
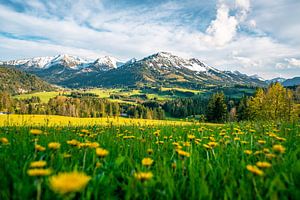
(252, 36)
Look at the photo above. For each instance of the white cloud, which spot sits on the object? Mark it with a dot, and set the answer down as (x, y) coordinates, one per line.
(140, 32)
(223, 29)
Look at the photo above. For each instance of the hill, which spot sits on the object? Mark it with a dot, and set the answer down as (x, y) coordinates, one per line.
(17, 82)
(291, 82)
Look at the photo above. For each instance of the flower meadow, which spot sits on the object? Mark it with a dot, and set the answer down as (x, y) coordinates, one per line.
(195, 161)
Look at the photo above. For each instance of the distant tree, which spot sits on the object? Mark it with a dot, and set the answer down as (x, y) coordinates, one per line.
(217, 108)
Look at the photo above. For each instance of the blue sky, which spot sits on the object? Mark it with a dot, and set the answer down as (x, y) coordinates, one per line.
(254, 37)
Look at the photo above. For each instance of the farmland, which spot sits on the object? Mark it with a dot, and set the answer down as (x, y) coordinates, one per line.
(149, 161)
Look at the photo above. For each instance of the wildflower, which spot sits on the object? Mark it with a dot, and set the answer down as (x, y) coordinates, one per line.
(101, 152)
(270, 155)
(73, 142)
(39, 147)
(54, 145)
(279, 148)
(191, 137)
(183, 153)
(212, 139)
(147, 162)
(69, 182)
(94, 144)
(143, 176)
(38, 164)
(248, 152)
(212, 144)
(263, 164)
(236, 139)
(266, 150)
(39, 172)
(4, 140)
(84, 131)
(150, 151)
(187, 144)
(244, 142)
(261, 141)
(35, 132)
(255, 170)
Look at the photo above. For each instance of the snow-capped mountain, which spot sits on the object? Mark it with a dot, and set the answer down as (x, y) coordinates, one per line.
(69, 61)
(160, 69)
(275, 80)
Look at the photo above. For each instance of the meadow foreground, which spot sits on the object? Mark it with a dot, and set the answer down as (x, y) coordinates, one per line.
(248, 161)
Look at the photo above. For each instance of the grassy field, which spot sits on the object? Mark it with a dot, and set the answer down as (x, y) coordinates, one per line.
(106, 93)
(154, 161)
(54, 120)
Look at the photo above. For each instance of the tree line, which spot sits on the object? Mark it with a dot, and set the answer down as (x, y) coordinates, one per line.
(79, 106)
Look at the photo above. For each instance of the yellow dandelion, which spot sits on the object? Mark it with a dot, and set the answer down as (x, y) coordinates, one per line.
(39, 147)
(150, 151)
(73, 142)
(4, 140)
(36, 131)
(39, 172)
(270, 155)
(212, 144)
(248, 152)
(147, 161)
(101, 152)
(191, 137)
(38, 164)
(255, 170)
(261, 141)
(263, 164)
(279, 148)
(54, 145)
(69, 182)
(143, 176)
(183, 153)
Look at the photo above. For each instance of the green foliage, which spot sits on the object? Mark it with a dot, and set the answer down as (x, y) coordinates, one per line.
(276, 103)
(217, 108)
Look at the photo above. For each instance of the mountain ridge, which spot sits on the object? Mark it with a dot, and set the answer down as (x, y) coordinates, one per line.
(159, 69)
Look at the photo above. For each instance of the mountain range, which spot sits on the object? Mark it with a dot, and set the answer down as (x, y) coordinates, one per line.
(160, 69)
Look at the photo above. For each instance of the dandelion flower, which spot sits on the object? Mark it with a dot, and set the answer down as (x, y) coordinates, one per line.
(36, 131)
(54, 145)
(38, 164)
(183, 153)
(263, 164)
(4, 140)
(261, 141)
(279, 148)
(39, 172)
(255, 170)
(143, 176)
(150, 151)
(248, 152)
(69, 182)
(147, 162)
(101, 152)
(39, 147)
